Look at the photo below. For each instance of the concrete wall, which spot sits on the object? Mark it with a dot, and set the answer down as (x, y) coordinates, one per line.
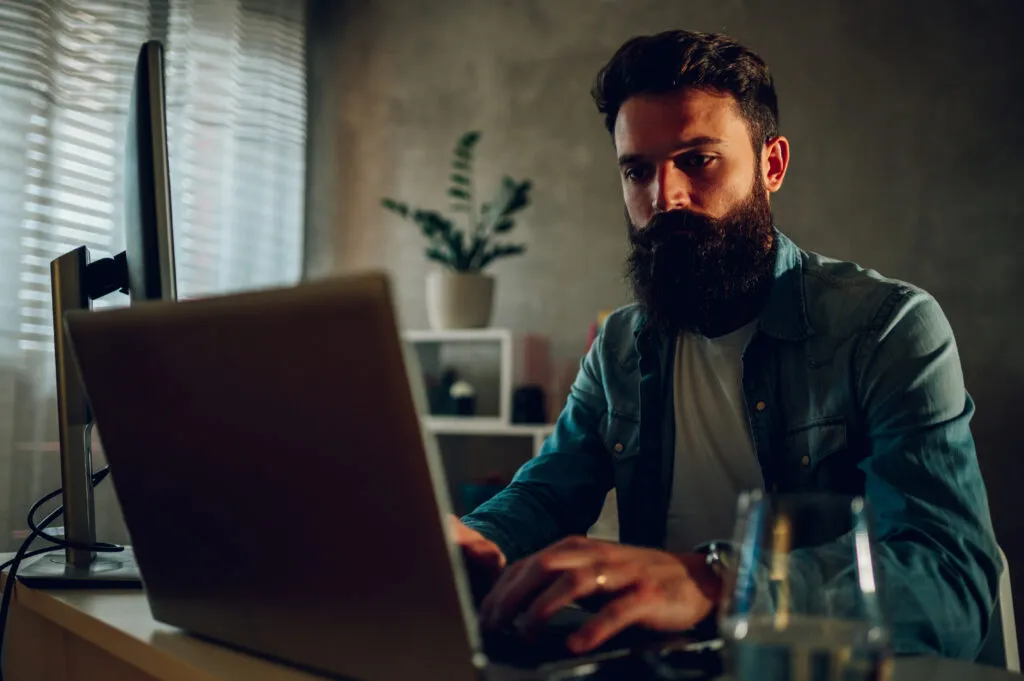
(907, 156)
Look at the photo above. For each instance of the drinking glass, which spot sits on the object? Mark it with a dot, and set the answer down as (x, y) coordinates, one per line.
(801, 598)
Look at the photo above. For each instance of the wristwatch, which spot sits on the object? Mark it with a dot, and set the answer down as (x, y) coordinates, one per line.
(717, 556)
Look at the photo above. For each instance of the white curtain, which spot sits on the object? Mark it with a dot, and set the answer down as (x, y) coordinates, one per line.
(236, 100)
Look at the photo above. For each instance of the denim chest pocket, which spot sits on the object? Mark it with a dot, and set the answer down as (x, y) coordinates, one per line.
(811, 444)
(621, 435)
(816, 440)
(818, 453)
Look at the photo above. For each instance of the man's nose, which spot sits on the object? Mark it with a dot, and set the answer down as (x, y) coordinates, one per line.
(672, 188)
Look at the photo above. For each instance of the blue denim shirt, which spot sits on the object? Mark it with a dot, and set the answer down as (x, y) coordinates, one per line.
(852, 384)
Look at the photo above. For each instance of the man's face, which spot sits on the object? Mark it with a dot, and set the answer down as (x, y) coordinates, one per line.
(696, 195)
(686, 150)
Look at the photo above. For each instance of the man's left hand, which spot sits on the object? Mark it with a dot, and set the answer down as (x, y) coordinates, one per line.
(644, 587)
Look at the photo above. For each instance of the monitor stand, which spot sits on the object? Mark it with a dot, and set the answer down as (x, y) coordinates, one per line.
(75, 283)
(106, 571)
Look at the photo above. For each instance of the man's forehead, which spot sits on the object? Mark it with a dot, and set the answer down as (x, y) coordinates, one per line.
(649, 124)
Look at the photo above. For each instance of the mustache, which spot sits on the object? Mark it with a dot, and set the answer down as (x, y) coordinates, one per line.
(678, 225)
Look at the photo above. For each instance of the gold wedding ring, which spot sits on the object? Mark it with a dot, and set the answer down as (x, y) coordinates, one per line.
(602, 579)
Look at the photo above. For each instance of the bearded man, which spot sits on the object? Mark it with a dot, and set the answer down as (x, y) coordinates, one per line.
(745, 363)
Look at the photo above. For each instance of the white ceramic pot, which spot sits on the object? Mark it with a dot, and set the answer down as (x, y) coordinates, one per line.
(459, 300)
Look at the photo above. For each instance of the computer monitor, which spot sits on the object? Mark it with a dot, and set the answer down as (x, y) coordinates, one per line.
(145, 271)
(149, 240)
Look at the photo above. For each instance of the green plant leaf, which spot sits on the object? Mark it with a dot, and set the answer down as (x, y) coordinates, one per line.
(455, 239)
(396, 207)
(469, 139)
(459, 179)
(504, 225)
(476, 252)
(457, 193)
(518, 195)
(504, 250)
(462, 154)
(432, 224)
(501, 251)
(512, 197)
(437, 255)
(490, 212)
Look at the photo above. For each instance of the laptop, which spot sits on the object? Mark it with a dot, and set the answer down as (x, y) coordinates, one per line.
(280, 491)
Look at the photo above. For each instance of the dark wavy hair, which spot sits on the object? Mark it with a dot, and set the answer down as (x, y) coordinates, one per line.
(674, 60)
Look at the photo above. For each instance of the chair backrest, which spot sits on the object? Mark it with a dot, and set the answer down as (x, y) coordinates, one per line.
(1009, 622)
(1000, 647)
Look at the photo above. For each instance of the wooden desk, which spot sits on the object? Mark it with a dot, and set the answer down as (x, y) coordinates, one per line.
(110, 636)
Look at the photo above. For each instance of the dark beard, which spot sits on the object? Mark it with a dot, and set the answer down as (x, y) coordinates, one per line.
(710, 276)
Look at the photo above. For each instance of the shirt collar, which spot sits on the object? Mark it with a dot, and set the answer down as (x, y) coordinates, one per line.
(785, 312)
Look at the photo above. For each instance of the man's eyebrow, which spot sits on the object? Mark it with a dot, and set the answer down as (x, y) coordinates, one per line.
(702, 141)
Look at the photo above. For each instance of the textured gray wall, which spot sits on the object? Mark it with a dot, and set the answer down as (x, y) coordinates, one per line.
(907, 156)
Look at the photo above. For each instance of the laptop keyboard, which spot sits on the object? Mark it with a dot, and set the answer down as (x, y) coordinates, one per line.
(509, 646)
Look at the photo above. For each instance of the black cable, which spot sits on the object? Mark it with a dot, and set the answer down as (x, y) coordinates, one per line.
(33, 552)
(23, 552)
(5, 603)
(104, 547)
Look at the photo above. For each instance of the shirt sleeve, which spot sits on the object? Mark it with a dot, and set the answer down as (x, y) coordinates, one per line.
(561, 491)
(937, 557)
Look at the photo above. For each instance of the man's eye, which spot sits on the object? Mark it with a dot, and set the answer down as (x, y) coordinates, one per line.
(636, 174)
(695, 160)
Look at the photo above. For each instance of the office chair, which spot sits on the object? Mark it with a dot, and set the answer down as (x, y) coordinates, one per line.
(1000, 646)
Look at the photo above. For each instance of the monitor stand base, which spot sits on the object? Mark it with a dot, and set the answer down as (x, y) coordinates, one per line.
(107, 571)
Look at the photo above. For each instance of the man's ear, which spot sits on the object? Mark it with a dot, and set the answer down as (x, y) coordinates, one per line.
(774, 162)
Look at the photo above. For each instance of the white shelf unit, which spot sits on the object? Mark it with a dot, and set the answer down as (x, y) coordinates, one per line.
(502, 337)
(499, 424)
(454, 425)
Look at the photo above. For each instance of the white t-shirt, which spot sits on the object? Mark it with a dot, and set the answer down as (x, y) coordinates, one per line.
(714, 453)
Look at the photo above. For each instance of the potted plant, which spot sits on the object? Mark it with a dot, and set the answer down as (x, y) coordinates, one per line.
(460, 295)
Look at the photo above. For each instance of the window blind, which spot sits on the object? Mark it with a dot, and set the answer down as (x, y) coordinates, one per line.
(236, 116)
(235, 79)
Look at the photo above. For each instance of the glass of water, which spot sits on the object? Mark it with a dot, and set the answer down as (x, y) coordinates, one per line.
(802, 595)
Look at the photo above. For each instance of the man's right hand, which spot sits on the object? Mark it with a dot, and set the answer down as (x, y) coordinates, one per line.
(484, 560)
